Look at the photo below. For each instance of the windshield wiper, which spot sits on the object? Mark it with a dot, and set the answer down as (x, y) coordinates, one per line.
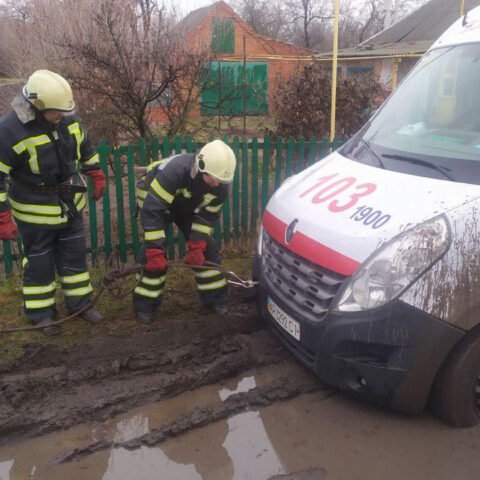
(423, 163)
(369, 148)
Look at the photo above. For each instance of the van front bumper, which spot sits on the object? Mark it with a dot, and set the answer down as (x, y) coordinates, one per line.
(389, 355)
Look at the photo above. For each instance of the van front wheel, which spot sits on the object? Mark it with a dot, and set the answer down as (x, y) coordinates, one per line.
(456, 392)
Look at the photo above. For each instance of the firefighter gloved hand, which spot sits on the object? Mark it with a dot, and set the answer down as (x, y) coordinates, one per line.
(99, 183)
(8, 229)
(195, 255)
(156, 261)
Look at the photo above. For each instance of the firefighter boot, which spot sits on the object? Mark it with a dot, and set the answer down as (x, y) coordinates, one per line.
(145, 317)
(92, 316)
(51, 330)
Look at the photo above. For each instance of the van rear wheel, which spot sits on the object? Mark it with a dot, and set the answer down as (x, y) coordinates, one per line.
(456, 392)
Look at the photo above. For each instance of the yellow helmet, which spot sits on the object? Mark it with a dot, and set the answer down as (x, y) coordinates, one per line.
(47, 90)
(218, 160)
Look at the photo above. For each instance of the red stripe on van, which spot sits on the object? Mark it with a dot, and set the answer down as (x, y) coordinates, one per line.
(308, 248)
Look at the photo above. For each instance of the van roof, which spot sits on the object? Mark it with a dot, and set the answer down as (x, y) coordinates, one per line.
(465, 30)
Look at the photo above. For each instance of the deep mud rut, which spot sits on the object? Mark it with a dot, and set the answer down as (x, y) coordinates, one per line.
(51, 388)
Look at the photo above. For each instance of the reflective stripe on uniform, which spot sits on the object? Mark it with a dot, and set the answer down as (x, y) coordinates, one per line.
(140, 193)
(94, 160)
(152, 281)
(24, 261)
(76, 131)
(31, 144)
(212, 286)
(207, 273)
(154, 235)
(78, 292)
(79, 277)
(214, 209)
(36, 290)
(39, 219)
(198, 227)
(32, 304)
(148, 293)
(3, 196)
(161, 192)
(4, 168)
(81, 202)
(43, 209)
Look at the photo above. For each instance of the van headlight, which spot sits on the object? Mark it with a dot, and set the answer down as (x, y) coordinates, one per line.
(395, 266)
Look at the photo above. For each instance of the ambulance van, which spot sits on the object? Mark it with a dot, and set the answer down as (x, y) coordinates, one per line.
(368, 262)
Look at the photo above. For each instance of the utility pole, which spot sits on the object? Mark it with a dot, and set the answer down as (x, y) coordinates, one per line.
(334, 70)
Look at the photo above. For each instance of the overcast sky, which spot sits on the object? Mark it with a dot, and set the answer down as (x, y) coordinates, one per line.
(185, 6)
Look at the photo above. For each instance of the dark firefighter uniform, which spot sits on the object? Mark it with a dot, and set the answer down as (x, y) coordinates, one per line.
(38, 157)
(173, 191)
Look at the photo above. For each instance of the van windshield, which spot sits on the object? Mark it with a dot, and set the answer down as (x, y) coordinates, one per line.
(430, 126)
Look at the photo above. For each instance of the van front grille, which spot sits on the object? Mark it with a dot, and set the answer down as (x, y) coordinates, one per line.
(305, 287)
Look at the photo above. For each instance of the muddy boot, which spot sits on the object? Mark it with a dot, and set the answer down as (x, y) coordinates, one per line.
(51, 330)
(144, 317)
(220, 308)
(92, 316)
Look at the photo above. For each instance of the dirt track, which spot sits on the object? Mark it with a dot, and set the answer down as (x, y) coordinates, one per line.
(53, 388)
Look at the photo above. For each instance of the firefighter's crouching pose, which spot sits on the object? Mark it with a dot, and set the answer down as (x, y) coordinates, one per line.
(188, 190)
(42, 147)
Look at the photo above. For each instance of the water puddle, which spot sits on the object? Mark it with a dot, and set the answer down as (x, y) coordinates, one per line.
(337, 437)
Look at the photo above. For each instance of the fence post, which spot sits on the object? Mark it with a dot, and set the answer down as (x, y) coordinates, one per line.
(166, 147)
(265, 171)
(117, 171)
(300, 164)
(178, 145)
(131, 198)
(278, 163)
(189, 147)
(324, 147)
(226, 210)
(155, 149)
(254, 208)
(92, 214)
(245, 184)
(103, 150)
(236, 189)
(289, 159)
(311, 151)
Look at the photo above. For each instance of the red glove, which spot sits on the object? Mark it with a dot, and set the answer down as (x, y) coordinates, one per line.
(156, 261)
(99, 183)
(8, 229)
(195, 256)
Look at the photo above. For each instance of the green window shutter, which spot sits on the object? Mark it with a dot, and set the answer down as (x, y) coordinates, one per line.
(222, 92)
(223, 38)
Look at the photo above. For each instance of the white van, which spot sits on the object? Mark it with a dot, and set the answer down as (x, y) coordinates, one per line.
(369, 261)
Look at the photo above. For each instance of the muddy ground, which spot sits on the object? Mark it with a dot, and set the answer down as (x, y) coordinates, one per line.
(52, 387)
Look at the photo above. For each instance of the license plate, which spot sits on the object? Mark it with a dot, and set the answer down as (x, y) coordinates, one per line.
(290, 325)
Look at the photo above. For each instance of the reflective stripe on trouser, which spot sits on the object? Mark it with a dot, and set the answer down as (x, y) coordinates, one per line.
(148, 294)
(211, 284)
(45, 249)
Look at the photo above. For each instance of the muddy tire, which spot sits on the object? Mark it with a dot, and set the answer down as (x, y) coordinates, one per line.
(456, 393)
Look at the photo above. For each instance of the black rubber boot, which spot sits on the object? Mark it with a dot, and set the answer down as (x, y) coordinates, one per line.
(92, 316)
(145, 317)
(51, 330)
(220, 308)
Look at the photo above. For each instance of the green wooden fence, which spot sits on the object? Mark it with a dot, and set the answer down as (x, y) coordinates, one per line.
(262, 165)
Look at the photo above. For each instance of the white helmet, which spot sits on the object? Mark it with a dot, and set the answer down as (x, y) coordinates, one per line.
(47, 90)
(218, 160)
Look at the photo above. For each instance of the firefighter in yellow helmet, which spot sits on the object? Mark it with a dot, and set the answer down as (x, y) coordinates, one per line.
(43, 147)
(188, 190)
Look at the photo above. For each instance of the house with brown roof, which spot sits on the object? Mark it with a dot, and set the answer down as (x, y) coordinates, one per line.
(244, 69)
(393, 52)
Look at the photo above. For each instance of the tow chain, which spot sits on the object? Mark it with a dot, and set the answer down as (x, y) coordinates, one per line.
(110, 282)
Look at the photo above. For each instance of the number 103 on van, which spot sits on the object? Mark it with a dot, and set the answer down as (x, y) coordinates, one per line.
(344, 193)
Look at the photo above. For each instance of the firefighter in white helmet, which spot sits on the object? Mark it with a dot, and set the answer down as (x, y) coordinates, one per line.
(188, 190)
(43, 147)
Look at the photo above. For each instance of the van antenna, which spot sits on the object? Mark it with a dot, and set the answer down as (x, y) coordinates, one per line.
(464, 22)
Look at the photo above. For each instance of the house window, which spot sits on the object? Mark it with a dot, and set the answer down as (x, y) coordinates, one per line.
(357, 70)
(224, 92)
(223, 37)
